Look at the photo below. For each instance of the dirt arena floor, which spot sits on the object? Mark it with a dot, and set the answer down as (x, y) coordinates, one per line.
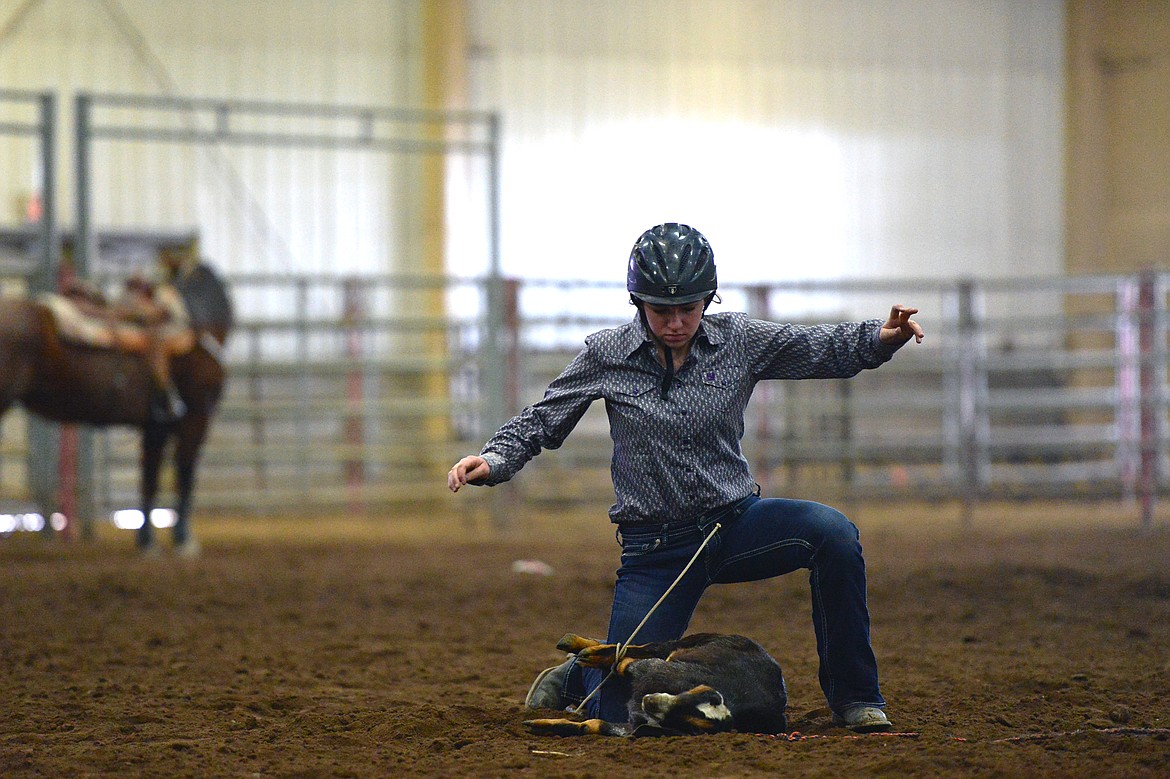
(403, 647)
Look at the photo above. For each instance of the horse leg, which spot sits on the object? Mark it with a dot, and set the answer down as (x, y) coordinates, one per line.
(154, 439)
(192, 431)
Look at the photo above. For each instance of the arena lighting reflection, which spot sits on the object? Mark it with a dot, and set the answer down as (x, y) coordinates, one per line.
(796, 185)
(31, 522)
(131, 519)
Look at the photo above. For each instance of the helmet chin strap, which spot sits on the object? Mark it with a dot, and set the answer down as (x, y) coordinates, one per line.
(668, 377)
(667, 355)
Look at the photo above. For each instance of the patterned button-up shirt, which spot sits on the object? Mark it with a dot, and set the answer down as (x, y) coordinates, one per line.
(678, 458)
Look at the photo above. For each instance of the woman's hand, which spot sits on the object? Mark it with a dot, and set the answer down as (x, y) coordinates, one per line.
(469, 469)
(900, 328)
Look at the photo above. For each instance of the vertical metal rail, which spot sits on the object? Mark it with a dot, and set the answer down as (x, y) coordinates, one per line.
(304, 391)
(84, 248)
(50, 240)
(255, 396)
(759, 307)
(496, 410)
(1128, 381)
(972, 377)
(42, 458)
(513, 328)
(84, 241)
(44, 437)
(353, 319)
(494, 386)
(1151, 366)
(1159, 400)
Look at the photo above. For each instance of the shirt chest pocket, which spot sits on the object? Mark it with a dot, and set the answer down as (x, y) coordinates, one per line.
(719, 386)
(634, 395)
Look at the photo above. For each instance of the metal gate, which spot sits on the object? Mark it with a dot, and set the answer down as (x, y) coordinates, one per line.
(1025, 388)
(308, 331)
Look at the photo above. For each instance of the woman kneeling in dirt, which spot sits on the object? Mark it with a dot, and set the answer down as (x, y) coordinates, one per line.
(675, 384)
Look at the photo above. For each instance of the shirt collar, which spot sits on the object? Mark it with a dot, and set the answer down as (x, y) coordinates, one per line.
(708, 330)
(639, 335)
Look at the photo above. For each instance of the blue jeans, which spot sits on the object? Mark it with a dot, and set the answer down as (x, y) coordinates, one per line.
(759, 539)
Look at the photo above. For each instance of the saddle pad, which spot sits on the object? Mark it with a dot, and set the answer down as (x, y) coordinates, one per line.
(74, 325)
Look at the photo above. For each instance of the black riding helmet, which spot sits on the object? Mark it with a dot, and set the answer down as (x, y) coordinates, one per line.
(670, 265)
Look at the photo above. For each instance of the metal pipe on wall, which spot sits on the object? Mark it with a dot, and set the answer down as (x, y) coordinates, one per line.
(43, 436)
(443, 31)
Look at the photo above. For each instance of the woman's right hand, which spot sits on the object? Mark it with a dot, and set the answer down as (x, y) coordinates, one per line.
(469, 469)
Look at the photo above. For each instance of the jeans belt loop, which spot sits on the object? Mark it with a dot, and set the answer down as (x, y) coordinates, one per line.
(728, 513)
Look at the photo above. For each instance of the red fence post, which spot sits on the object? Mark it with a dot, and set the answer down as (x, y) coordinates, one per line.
(69, 443)
(355, 470)
(1148, 381)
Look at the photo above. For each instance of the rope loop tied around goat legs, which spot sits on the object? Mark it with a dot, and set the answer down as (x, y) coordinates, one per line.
(623, 646)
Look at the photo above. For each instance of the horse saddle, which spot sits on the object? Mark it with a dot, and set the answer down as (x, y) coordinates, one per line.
(88, 325)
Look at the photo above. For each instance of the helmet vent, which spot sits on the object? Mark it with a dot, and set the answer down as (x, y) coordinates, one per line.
(671, 264)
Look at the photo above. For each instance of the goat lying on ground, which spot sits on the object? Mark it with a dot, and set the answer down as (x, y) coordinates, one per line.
(702, 683)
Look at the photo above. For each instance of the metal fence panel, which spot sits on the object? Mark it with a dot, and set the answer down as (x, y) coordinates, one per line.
(356, 391)
(1026, 389)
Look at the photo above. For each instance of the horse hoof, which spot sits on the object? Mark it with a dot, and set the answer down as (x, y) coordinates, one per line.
(189, 549)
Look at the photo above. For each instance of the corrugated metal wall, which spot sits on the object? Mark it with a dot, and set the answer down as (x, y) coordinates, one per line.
(807, 138)
(255, 209)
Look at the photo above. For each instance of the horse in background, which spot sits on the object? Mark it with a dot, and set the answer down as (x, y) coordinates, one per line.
(69, 382)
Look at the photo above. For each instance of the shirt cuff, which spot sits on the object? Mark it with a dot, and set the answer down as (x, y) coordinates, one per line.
(496, 475)
(884, 350)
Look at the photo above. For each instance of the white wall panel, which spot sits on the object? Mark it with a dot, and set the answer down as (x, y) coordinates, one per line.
(256, 209)
(808, 139)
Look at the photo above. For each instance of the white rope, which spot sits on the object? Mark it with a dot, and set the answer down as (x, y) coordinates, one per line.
(622, 647)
